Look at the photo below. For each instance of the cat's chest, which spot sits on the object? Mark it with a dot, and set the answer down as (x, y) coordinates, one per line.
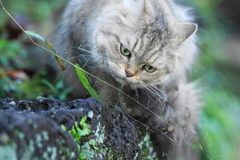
(141, 102)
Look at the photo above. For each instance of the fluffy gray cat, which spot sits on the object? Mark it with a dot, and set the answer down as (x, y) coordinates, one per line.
(145, 49)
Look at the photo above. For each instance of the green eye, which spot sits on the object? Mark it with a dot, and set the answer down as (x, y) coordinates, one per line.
(149, 68)
(125, 51)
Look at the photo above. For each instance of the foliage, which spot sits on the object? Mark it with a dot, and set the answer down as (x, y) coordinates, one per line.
(80, 73)
(13, 56)
(219, 127)
(37, 11)
(11, 50)
(14, 59)
(146, 147)
(33, 88)
(47, 43)
(85, 82)
(78, 131)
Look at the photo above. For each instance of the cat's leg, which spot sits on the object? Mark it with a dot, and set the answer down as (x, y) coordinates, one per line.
(186, 104)
(174, 124)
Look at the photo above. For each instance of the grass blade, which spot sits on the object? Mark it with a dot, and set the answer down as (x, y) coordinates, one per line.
(40, 37)
(85, 82)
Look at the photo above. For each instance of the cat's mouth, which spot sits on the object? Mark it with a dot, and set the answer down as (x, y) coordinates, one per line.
(122, 78)
(131, 82)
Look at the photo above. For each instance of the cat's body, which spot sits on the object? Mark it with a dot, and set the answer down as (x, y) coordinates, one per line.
(143, 48)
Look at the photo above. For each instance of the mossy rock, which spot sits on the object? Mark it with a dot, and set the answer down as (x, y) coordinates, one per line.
(40, 130)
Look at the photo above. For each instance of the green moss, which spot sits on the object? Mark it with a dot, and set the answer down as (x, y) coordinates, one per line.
(87, 151)
(8, 151)
(147, 149)
(95, 146)
(78, 131)
(99, 141)
(93, 143)
(7, 148)
(90, 114)
(19, 134)
(52, 151)
(99, 133)
(45, 135)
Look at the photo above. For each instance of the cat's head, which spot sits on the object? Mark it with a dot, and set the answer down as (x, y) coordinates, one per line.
(141, 41)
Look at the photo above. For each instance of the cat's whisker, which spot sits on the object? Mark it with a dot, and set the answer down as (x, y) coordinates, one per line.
(153, 95)
(143, 88)
(156, 88)
(151, 92)
(154, 91)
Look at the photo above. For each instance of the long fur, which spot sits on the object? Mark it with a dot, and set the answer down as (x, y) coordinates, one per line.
(159, 33)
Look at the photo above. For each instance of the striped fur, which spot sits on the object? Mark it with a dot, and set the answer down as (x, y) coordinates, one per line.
(157, 33)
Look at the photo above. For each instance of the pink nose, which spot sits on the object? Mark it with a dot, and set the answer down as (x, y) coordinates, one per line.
(129, 74)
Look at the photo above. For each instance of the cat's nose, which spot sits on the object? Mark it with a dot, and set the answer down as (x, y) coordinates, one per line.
(128, 73)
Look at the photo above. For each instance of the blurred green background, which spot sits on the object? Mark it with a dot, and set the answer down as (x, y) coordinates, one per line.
(217, 69)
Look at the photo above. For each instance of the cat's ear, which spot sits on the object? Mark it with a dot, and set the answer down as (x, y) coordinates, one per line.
(184, 30)
(136, 6)
(149, 8)
(141, 6)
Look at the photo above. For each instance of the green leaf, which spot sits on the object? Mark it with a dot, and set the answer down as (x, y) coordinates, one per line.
(40, 37)
(83, 125)
(83, 156)
(36, 35)
(85, 82)
(84, 118)
(73, 131)
(92, 143)
(76, 126)
(63, 127)
(84, 132)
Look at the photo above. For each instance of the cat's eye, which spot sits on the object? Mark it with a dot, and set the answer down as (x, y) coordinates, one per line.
(149, 68)
(124, 51)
